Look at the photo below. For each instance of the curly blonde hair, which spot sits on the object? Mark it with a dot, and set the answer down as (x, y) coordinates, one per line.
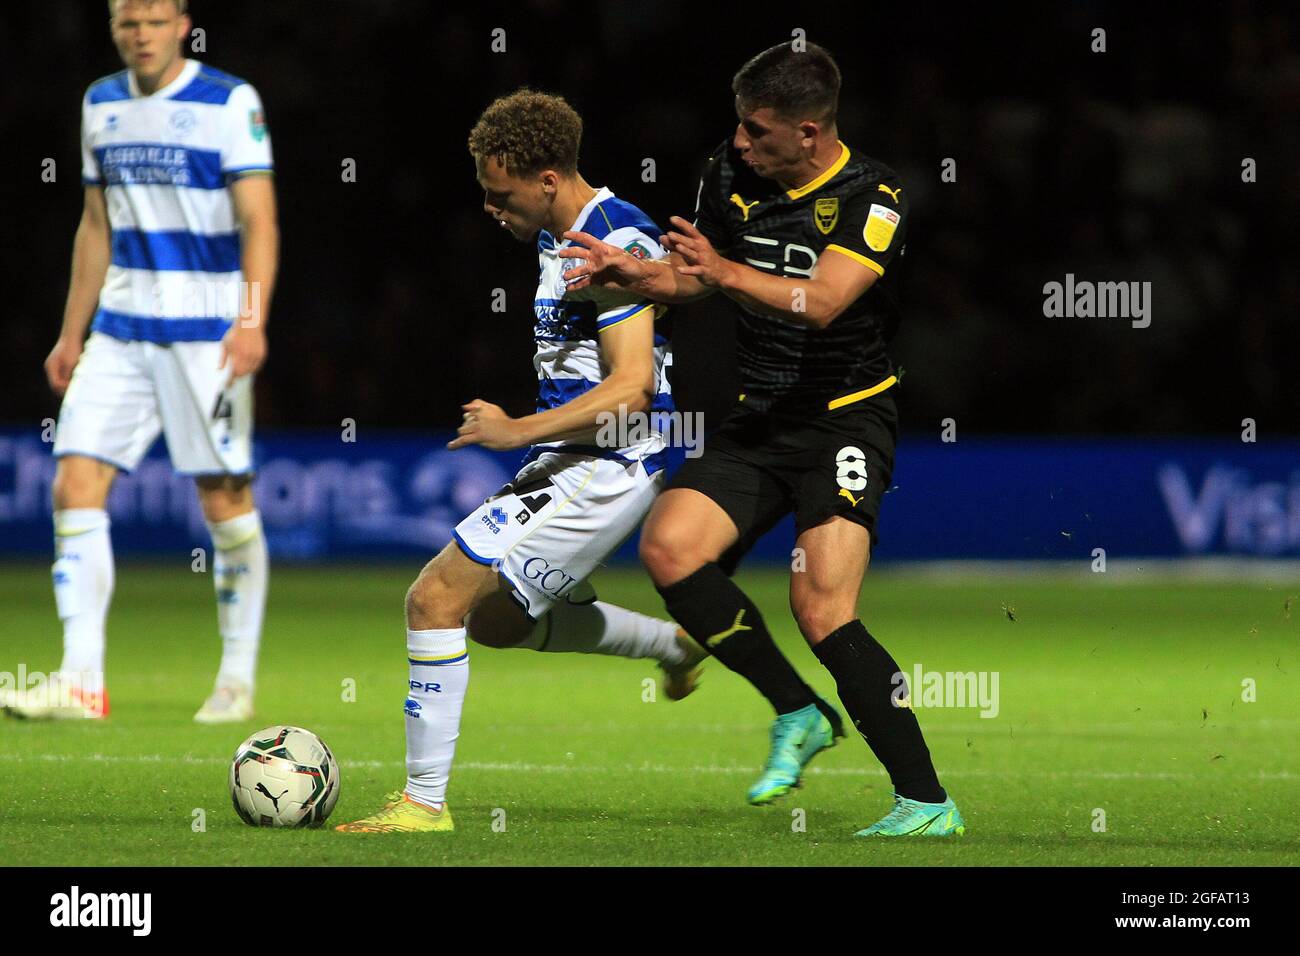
(528, 132)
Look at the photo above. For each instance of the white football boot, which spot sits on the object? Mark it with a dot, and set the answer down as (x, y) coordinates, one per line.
(228, 705)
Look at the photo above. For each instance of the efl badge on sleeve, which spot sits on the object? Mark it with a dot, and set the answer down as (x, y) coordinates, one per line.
(257, 125)
(826, 213)
(637, 250)
(879, 230)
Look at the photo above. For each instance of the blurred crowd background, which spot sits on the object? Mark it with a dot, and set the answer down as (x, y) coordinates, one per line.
(1117, 166)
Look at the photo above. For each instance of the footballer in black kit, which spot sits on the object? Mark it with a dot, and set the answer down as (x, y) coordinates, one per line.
(804, 234)
(815, 425)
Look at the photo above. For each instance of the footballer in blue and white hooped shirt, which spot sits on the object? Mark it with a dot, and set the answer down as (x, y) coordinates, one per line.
(173, 266)
(595, 455)
(568, 323)
(166, 162)
(515, 574)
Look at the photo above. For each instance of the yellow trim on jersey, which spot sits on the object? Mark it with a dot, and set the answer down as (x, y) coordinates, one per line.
(648, 305)
(825, 177)
(857, 257)
(859, 396)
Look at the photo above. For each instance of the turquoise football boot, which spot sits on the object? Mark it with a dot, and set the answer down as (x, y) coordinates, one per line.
(797, 737)
(914, 818)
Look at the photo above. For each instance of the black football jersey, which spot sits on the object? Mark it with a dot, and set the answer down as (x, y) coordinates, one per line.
(858, 208)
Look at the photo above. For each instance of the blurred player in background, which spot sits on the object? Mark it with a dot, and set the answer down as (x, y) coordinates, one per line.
(799, 231)
(518, 565)
(172, 269)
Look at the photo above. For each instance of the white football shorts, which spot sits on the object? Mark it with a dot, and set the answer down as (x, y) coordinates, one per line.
(123, 395)
(560, 518)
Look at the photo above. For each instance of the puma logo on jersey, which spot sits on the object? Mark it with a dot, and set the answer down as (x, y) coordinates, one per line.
(844, 492)
(723, 635)
(744, 206)
(893, 193)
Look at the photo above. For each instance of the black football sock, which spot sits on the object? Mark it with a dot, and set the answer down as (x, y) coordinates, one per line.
(864, 675)
(723, 621)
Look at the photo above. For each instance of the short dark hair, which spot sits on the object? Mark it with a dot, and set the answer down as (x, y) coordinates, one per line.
(798, 85)
(529, 132)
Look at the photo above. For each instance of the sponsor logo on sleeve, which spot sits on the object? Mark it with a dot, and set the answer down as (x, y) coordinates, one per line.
(879, 230)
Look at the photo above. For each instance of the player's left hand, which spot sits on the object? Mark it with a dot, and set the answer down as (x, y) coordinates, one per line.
(243, 349)
(700, 258)
(487, 425)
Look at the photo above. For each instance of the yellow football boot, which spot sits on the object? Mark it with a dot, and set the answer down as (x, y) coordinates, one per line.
(401, 814)
(680, 680)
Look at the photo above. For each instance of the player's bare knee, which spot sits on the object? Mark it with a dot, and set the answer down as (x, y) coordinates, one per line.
(668, 557)
(70, 492)
(819, 613)
(651, 552)
(431, 603)
(81, 483)
(223, 497)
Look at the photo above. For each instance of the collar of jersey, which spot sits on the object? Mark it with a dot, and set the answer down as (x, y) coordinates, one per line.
(825, 177)
(547, 241)
(183, 79)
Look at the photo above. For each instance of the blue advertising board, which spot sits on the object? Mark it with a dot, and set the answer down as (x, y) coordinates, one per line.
(399, 495)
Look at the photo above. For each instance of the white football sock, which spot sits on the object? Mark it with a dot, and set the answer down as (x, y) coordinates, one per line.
(600, 628)
(83, 588)
(434, 698)
(239, 573)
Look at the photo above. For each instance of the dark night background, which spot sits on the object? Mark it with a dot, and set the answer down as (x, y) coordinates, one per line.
(1116, 166)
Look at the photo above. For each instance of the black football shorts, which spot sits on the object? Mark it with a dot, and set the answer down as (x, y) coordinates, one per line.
(759, 467)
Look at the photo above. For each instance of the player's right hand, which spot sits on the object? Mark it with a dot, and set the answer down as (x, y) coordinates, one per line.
(60, 362)
(599, 263)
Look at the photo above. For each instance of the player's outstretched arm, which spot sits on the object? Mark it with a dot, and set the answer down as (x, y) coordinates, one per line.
(609, 267)
(91, 254)
(627, 347)
(244, 347)
(835, 283)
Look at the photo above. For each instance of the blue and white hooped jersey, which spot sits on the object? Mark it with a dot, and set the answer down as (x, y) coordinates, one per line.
(569, 323)
(165, 162)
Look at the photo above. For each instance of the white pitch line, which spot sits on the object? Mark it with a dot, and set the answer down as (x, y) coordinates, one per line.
(560, 768)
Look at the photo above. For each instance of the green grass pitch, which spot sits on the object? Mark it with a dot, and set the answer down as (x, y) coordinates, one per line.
(1116, 697)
